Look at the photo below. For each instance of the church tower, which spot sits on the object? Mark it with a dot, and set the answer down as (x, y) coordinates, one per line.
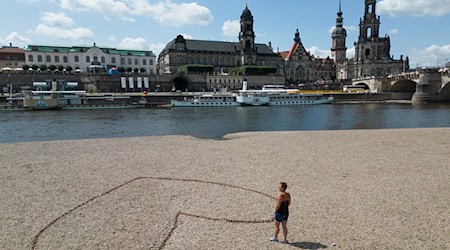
(369, 27)
(247, 38)
(339, 36)
(370, 45)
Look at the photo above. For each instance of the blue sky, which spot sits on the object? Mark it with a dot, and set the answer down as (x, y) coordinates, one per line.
(419, 29)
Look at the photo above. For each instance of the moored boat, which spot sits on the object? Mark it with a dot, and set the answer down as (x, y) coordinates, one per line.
(252, 98)
(281, 96)
(206, 100)
(298, 99)
(73, 99)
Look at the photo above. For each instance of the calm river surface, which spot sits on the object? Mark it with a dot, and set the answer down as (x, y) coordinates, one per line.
(25, 126)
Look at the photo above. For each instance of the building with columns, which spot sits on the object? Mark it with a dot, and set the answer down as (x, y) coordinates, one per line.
(372, 53)
(84, 57)
(223, 56)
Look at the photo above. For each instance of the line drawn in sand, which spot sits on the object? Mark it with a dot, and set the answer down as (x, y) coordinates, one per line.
(174, 225)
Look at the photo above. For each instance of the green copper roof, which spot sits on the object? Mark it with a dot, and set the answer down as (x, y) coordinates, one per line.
(122, 52)
(217, 46)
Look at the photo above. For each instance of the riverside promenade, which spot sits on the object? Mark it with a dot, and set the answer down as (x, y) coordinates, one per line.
(359, 189)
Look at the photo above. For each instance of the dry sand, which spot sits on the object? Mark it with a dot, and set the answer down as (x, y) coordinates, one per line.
(364, 189)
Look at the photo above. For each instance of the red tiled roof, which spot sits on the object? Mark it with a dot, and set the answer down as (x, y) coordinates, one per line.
(293, 49)
(11, 50)
(284, 54)
(324, 61)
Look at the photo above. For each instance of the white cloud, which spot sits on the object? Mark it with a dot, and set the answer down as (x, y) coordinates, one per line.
(56, 19)
(15, 39)
(108, 7)
(112, 38)
(129, 19)
(65, 33)
(231, 28)
(393, 32)
(433, 55)
(414, 7)
(157, 48)
(317, 52)
(351, 52)
(133, 43)
(171, 14)
(350, 28)
(59, 25)
(187, 37)
(165, 12)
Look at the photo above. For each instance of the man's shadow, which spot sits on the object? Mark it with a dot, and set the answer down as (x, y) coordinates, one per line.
(308, 245)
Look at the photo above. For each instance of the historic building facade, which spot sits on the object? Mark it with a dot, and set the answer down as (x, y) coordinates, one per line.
(372, 52)
(86, 58)
(223, 56)
(302, 67)
(11, 57)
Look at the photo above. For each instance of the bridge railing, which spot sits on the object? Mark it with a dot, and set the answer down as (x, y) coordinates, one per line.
(405, 75)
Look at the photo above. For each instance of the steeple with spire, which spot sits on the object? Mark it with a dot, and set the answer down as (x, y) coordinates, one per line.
(297, 36)
(339, 36)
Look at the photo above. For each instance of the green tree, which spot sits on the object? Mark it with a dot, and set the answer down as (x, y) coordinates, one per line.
(52, 67)
(25, 67)
(195, 68)
(61, 68)
(69, 69)
(129, 70)
(35, 67)
(121, 69)
(136, 70)
(43, 67)
(143, 70)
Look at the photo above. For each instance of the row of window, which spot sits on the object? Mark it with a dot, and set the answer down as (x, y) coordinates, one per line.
(88, 59)
(224, 81)
(217, 61)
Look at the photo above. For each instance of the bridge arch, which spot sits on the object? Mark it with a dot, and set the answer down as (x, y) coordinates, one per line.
(445, 92)
(404, 85)
(181, 83)
(362, 85)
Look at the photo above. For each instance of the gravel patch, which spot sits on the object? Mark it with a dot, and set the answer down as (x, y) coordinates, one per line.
(359, 189)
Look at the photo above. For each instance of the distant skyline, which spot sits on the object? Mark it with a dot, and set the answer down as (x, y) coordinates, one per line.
(418, 29)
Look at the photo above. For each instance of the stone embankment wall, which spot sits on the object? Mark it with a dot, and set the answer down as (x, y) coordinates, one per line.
(19, 80)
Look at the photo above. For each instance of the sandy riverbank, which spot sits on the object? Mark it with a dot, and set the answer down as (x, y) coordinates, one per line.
(361, 189)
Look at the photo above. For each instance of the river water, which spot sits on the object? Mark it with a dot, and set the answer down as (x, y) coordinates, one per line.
(25, 126)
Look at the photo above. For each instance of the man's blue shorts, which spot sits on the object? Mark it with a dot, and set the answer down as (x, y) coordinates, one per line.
(281, 217)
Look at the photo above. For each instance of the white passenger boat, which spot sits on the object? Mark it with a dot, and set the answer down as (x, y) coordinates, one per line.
(252, 98)
(273, 95)
(298, 99)
(279, 95)
(207, 100)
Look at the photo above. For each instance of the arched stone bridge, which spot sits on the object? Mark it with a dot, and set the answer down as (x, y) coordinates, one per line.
(426, 84)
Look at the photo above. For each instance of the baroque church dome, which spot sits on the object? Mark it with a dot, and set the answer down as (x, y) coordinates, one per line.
(339, 31)
(246, 14)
